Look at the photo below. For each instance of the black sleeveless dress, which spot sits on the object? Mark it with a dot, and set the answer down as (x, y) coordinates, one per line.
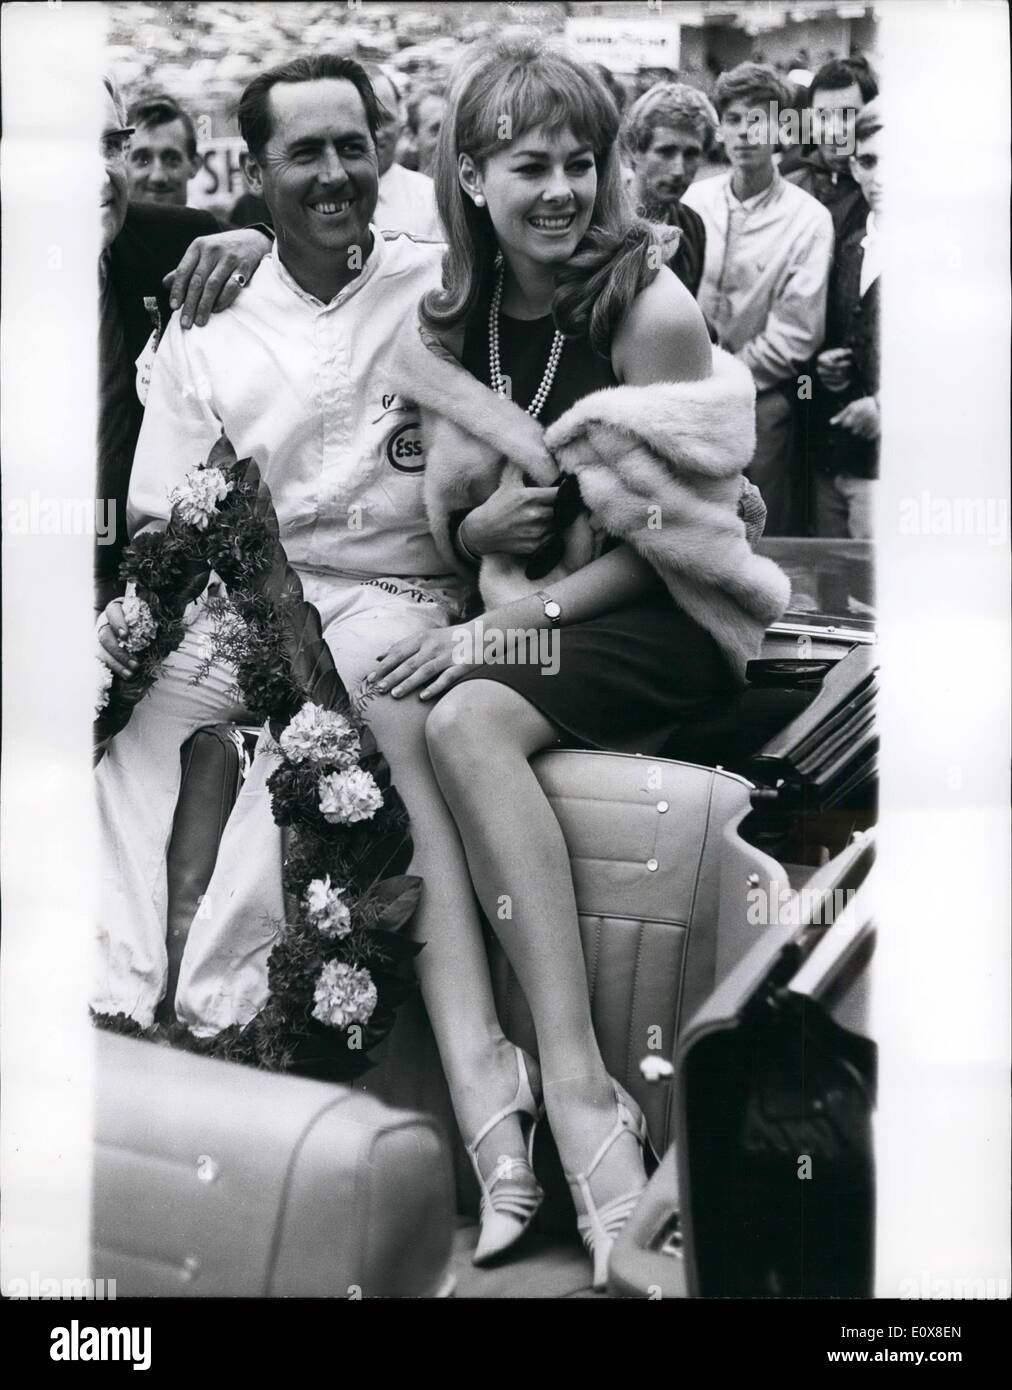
(627, 673)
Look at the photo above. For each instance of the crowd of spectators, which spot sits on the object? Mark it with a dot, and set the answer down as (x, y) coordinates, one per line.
(778, 242)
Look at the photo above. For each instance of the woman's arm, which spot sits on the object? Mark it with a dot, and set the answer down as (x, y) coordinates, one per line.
(662, 336)
(512, 521)
(609, 582)
(429, 662)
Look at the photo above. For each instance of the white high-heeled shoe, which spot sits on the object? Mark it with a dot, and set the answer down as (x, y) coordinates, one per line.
(599, 1225)
(510, 1202)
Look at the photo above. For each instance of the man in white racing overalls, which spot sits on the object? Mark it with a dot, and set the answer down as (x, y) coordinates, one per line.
(295, 374)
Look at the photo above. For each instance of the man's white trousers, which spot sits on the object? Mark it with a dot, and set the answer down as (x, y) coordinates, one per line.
(223, 978)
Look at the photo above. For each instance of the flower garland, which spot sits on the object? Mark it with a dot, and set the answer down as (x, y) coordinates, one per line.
(341, 963)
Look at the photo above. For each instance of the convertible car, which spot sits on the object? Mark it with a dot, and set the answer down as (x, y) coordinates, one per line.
(722, 878)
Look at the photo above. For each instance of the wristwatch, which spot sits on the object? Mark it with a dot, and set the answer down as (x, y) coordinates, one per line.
(553, 609)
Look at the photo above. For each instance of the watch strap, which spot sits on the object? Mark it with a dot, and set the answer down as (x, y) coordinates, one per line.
(546, 599)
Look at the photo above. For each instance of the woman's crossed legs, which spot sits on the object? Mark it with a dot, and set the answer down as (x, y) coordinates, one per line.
(481, 736)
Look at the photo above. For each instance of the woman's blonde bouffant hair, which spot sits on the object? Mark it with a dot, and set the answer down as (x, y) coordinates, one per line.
(516, 84)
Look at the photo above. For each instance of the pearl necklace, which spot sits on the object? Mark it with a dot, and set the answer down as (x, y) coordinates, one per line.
(495, 369)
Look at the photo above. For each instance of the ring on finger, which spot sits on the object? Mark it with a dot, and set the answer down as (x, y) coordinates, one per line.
(240, 279)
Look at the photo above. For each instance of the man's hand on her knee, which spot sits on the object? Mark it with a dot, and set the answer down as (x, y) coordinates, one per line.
(427, 662)
(112, 630)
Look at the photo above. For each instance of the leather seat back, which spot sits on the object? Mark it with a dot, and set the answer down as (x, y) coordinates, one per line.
(646, 838)
(218, 1180)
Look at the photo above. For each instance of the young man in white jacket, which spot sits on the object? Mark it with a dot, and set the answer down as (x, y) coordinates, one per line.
(769, 246)
(295, 374)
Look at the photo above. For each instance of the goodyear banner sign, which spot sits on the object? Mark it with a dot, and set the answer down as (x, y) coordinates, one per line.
(627, 45)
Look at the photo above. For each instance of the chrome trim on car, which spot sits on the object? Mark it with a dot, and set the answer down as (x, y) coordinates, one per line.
(845, 634)
(650, 757)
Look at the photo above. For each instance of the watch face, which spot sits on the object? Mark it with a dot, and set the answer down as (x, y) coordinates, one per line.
(552, 609)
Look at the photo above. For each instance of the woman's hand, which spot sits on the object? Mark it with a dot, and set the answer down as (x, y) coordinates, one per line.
(513, 521)
(860, 418)
(429, 662)
(111, 629)
(203, 282)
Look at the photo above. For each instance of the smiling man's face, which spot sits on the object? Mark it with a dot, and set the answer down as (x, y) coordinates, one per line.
(318, 174)
(160, 165)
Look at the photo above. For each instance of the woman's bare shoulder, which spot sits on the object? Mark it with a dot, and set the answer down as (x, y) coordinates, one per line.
(662, 336)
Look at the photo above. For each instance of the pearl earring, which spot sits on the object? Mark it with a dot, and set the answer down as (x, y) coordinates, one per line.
(479, 200)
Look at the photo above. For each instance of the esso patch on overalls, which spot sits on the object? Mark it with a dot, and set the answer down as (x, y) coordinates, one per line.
(404, 448)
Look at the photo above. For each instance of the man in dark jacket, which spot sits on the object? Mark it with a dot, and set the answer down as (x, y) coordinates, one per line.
(666, 132)
(141, 245)
(845, 442)
(839, 91)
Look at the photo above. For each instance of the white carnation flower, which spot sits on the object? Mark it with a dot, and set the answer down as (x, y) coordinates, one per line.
(344, 995)
(196, 499)
(326, 908)
(349, 796)
(104, 684)
(318, 735)
(140, 624)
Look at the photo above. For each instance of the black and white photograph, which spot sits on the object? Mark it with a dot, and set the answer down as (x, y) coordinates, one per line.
(505, 787)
